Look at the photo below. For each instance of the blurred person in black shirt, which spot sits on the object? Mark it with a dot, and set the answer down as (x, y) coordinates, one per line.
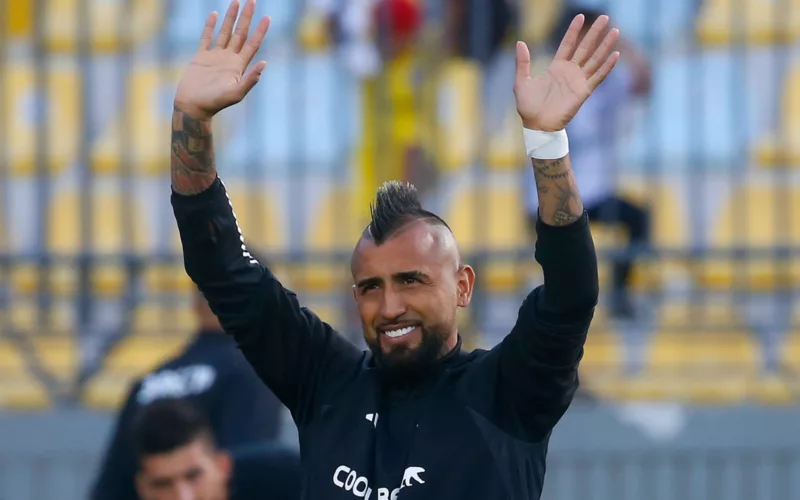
(477, 29)
(178, 458)
(211, 371)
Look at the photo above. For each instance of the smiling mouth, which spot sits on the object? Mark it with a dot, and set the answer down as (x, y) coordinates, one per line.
(399, 332)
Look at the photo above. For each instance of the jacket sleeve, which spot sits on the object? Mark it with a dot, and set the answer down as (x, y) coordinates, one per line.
(289, 347)
(537, 362)
(115, 479)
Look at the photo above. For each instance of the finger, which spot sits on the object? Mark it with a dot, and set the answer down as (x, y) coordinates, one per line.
(254, 43)
(251, 79)
(589, 43)
(597, 78)
(208, 31)
(523, 61)
(570, 40)
(602, 53)
(227, 25)
(243, 26)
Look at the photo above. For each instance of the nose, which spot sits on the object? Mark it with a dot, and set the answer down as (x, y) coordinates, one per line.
(393, 305)
(185, 492)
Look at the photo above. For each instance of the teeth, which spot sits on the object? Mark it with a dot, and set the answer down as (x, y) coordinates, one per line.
(399, 333)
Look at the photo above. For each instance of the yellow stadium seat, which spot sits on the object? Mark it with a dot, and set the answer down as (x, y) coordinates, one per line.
(138, 354)
(485, 218)
(4, 239)
(782, 147)
(141, 133)
(313, 33)
(53, 113)
(164, 319)
(107, 390)
(108, 26)
(603, 354)
(773, 390)
(790, 351)
(329, 312)
(539, 18)
(25, 316)
(58, 355)
(460, 135)
(337, 227)
(755, 22)
(17, 18)
(714, 354)
(18, 388)
(676, 387)
(700, 316)
(11, 359)
(755, 218)
(108, 238)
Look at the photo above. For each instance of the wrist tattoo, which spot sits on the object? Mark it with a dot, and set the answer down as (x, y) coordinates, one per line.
(193, 168)
(559, 201)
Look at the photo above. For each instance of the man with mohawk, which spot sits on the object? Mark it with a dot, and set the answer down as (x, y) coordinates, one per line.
(415, 416)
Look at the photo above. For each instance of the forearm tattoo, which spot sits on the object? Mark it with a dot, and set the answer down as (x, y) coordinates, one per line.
(193, 169)
(559, 201)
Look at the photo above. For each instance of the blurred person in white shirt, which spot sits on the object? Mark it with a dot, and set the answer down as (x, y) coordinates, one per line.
(592, 136)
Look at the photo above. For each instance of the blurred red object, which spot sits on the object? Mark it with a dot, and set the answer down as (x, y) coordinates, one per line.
(401, 17)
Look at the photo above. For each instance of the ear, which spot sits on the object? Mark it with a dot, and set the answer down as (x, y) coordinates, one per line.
(140, 485)
(224, 464)
(465, 282)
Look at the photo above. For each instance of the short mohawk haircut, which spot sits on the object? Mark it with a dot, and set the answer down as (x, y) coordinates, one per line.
(396, 205)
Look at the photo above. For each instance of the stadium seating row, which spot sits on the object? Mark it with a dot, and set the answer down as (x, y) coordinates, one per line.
(748, 22)
(485, 218)
(719, 22)
(100, 26)
(135, 140)
(701, 366)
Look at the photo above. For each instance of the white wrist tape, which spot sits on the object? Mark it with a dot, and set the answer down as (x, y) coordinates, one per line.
(546, 145)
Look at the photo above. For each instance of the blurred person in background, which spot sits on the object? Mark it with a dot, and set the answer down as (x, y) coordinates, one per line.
(378, 41)
(414, 410)
(210, 371)
(592, 137)
(480, 31)
(178, 458)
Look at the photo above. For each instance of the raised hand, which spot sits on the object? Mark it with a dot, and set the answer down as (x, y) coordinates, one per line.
(215, 78)
(549, 101)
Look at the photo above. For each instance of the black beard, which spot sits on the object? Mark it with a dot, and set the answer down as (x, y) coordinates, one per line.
(404, 366)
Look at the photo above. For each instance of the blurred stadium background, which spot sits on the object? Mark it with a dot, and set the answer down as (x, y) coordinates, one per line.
(695, 399)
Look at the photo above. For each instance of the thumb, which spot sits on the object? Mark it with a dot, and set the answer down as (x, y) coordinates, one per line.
(523, 61)
(250, 80)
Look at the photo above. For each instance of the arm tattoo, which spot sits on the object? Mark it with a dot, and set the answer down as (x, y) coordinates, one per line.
(193, 168)
(559, 201)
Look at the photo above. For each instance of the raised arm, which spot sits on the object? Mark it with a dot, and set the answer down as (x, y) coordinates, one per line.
(538, 360)
(288, 346)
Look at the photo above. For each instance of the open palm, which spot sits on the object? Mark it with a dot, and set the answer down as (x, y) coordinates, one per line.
(215, 78)
(549, 101)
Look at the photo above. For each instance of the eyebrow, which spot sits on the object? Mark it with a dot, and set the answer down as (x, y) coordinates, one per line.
(397, 276)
